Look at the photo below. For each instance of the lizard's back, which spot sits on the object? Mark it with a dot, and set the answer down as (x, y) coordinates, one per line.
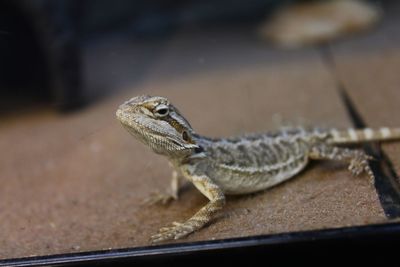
(251, 163)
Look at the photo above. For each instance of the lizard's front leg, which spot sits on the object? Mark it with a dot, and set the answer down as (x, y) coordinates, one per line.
(217, 200)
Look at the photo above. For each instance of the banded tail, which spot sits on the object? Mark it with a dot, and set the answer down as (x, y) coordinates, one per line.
(364, 135)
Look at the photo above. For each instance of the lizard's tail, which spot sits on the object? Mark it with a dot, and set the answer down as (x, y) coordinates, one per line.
(364, 135)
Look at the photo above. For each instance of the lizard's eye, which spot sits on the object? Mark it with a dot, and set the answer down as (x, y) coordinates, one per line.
(161, 110)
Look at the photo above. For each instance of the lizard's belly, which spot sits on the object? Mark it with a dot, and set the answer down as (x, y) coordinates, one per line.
(242, 181)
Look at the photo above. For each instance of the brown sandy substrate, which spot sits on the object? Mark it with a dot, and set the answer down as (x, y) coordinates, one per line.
(75, 182)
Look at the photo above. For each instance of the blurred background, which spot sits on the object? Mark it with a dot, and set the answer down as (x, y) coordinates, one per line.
(69, 53)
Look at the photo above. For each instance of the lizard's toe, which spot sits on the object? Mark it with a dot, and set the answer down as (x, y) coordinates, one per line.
(177, 231)
(158, 198)
(168, 228)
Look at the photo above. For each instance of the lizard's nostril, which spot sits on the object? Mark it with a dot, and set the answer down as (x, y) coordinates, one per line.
(118, 113)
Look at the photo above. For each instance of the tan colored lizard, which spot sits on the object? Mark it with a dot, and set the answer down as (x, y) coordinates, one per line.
(245, 164)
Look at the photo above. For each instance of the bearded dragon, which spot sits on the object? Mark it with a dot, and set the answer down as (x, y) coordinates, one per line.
(238, 165)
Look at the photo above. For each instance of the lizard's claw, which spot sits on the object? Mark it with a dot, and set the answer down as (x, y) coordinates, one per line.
(165, 229)
(178, 230)
(158, 198)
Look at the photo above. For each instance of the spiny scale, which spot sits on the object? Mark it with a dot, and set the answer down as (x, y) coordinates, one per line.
(235, 165)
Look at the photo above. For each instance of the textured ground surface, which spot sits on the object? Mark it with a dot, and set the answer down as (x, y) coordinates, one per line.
(75, 182)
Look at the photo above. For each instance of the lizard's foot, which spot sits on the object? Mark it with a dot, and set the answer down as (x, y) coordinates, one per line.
(178, 230)
(159, 198)
(359, 164)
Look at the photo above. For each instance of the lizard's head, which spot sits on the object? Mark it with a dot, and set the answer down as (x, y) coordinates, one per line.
(158, 124)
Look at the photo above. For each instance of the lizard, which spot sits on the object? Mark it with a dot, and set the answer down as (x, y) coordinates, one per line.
(238, 165)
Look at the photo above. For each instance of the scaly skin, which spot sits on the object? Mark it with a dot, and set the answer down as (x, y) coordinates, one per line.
(240, 165)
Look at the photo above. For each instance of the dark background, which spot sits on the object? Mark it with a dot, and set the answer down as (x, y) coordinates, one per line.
(43, 42)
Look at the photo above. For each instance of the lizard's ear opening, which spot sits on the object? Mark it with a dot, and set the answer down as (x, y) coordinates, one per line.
(185, 136)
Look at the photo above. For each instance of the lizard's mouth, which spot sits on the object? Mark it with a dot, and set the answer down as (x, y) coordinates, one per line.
(128, 120)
